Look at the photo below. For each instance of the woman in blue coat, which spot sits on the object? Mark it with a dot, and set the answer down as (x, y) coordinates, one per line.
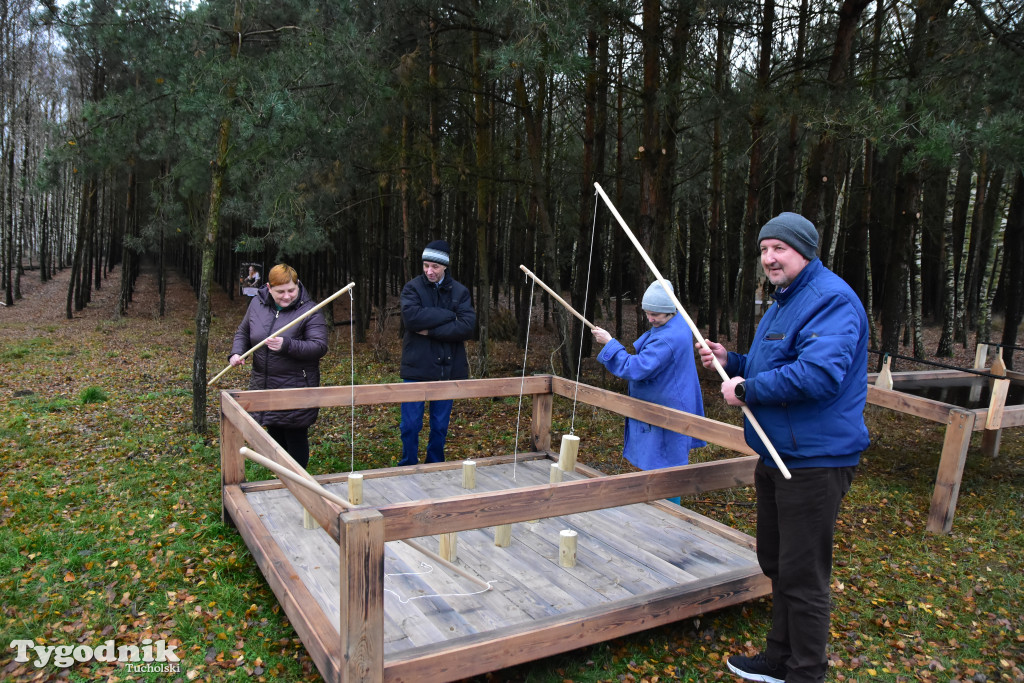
(662, 371)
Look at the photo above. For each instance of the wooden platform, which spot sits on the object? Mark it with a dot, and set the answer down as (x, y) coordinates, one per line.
(625, 555)
(370, 607)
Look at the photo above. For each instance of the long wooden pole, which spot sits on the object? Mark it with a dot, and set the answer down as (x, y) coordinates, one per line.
(693, 328)
(556, 297)
(293, 323)
(282, 471)
(453, 567)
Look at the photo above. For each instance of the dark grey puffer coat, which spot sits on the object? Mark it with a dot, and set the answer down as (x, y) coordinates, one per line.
(297, 364)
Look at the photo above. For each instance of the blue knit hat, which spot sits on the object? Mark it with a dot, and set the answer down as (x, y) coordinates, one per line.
(657, 300)
(794, 230)
(437, 252)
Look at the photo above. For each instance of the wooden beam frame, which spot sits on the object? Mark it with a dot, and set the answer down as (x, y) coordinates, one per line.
(361, 534)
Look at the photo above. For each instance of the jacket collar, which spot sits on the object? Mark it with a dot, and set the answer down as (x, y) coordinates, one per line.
(806, 275)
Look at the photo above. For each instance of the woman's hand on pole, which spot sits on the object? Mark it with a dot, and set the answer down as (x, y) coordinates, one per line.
(236, 360)
(714, 349)
(601, 335)
(275, 343)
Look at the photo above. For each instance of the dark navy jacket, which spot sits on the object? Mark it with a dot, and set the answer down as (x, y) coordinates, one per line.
(446, 312)
(806, 373)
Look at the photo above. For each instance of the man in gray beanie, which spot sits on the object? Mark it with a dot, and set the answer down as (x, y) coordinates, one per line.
(662, 371)
(439, 317)
(805, 380)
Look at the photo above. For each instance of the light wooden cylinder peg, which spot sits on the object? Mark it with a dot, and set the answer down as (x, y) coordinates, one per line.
(469, 474)
(308, 521)
(567, 548)
(447, 548)
(556, 473)
(355, 488)
(567, 453)
(503, 535)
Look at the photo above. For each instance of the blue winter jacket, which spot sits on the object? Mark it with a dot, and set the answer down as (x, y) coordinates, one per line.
(806, 373)
(445, 311)
(662, 371)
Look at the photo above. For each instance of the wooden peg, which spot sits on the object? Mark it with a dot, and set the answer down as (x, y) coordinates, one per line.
(567, 454)
(447, 548)
(468, 474)
(884, 379)
(355, 488)
(308, 520)
(567, 548)
(556, 473)
(503, 535)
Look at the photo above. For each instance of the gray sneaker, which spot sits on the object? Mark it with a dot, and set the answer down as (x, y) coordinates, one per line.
(757, 668)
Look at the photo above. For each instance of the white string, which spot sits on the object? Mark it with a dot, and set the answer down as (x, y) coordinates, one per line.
(352, 380)
(583, 328)
(522, 384)
(429, 569)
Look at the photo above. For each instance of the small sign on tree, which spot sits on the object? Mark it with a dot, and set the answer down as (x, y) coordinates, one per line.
(250, 278)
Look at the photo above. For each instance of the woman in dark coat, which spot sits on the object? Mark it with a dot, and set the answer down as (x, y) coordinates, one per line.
(287, 361)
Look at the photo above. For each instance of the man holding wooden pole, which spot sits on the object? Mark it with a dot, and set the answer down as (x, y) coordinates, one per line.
(805, 381)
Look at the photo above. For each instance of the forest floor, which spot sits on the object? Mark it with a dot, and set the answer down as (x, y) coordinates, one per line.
(110, 512)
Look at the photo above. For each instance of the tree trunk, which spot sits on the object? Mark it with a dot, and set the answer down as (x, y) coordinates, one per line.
(209, 249)
(1013, 247)
(753, 219)
(484, 165)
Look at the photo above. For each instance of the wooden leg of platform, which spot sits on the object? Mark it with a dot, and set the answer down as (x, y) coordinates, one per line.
(990, 441)
(567, 548)
(503, 535)
(232, 463)
(951, 470)
(361, 542)
(540, 429)
(448, 546)
(469, 474)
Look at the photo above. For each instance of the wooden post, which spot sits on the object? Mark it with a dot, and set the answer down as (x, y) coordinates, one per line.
(884, 379)
(469, 474)
(448, 547)
(540, 428)
(567, 454)
(980, 358)
(503, 535)
(355, 488)
(361, 543)
(556, 473)
(951, 470)
(993, 434)
(232, 462)
(567, 548)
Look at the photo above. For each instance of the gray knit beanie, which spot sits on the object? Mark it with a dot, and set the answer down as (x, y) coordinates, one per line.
(794, 230)
(657, 300)
(438, 251)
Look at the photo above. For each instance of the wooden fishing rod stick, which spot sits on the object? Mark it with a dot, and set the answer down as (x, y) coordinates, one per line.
(307, 482)
(290, 325)
(557, 298)
(693, 328)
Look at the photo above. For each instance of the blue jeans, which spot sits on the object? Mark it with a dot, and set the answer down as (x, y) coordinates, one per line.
(412, 423)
